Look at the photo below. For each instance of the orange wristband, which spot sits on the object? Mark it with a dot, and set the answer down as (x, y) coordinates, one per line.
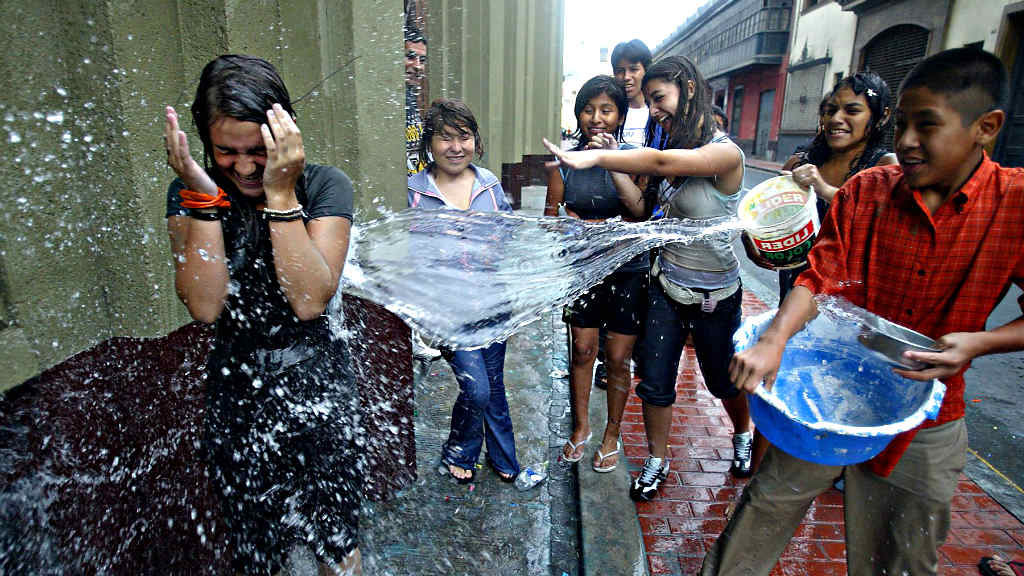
(193, 199)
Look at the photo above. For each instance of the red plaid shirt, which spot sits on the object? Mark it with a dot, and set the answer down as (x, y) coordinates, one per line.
(934, 273)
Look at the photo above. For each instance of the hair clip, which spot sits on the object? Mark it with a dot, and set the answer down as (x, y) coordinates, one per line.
(872, 93)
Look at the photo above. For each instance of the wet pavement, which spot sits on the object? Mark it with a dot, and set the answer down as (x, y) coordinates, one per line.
(439, 527)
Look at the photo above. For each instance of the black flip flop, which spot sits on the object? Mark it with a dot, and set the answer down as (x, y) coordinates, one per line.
(442, 469)
(501, 474)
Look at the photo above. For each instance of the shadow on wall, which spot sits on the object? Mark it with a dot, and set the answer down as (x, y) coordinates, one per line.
(100, 456)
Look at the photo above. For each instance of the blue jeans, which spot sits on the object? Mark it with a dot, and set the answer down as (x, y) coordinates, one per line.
(668, 325)
(481, 410)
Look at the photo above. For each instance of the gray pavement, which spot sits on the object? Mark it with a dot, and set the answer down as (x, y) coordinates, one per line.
(488, 528)
(994, 386)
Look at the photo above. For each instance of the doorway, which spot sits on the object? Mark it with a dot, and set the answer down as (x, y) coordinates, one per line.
(764, 123)
(1010, 149)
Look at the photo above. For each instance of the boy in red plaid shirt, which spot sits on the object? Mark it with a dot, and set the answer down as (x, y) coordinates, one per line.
(932, 244)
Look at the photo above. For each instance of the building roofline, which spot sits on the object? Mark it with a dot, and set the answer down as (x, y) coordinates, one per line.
(691, 25)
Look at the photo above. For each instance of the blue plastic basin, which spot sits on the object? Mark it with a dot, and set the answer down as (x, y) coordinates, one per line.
(834, 402)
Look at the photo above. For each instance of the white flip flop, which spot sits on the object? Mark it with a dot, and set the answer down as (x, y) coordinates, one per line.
(573, 446)
(601, 456)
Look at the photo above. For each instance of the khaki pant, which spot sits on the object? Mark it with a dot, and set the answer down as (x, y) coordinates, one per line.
(894, 525)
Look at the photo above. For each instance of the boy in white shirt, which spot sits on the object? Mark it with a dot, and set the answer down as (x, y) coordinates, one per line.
(629, 63)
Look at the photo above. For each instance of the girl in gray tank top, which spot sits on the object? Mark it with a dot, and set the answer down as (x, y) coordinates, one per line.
(697, 290)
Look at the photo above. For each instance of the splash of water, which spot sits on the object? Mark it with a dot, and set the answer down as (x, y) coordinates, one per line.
(467, 279)
(830, 380)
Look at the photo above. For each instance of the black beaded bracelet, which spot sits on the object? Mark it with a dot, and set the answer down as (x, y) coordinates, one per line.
(205, 216)
(282, 217)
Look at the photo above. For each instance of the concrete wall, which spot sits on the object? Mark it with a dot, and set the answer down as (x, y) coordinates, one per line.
(83, 248)
(975, 21)
(824, 31)
(504, 59)
(821, 45)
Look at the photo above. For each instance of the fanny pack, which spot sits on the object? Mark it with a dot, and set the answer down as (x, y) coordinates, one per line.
(707, 299)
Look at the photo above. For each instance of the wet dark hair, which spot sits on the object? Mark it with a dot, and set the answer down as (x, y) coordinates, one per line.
(973, 81)
(453, 114)
(633, 51)
(716, 110)
(876, 92)
(236, 86)
(593, 88)
(693, 125)
(244, 88)
(414, 35)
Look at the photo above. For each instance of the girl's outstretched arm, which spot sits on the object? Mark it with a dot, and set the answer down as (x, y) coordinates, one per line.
(720, 159)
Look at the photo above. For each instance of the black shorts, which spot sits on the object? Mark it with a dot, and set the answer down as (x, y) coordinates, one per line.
(283, 459)
(668, 325)
(618, 303)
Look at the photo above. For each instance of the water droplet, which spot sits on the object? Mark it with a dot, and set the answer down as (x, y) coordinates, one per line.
(55, 117)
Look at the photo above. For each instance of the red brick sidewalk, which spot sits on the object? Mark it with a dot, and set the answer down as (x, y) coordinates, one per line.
(690, 511)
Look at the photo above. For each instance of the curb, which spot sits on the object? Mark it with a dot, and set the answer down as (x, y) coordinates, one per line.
(610, 538)
(609, 524)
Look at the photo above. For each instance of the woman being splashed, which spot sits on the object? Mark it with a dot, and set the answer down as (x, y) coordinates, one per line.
(697, 176)
(259, 240)
(450, 142)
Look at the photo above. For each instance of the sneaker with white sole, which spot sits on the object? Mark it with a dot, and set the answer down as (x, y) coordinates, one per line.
(645, 487)
(741, 444)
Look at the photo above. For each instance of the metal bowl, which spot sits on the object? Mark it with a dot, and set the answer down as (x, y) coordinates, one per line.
(890, 341)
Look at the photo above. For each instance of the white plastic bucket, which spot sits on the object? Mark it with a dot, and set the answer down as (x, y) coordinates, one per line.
(782, 220)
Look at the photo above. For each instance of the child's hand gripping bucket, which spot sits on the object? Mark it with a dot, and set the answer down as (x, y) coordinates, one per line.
(782, 220)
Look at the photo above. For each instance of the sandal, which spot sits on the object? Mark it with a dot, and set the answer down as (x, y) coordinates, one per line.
(601, 457)
(501, 475)
(986, 569)
(443, 470)
(573, 447)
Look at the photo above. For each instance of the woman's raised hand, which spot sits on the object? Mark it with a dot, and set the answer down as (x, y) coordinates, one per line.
(285, 157)
(179, 159)
(807, 175)
(602, 141)
(576, 160)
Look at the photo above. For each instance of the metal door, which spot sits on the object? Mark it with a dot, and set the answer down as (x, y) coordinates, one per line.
(764, 123)
(891, 54)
